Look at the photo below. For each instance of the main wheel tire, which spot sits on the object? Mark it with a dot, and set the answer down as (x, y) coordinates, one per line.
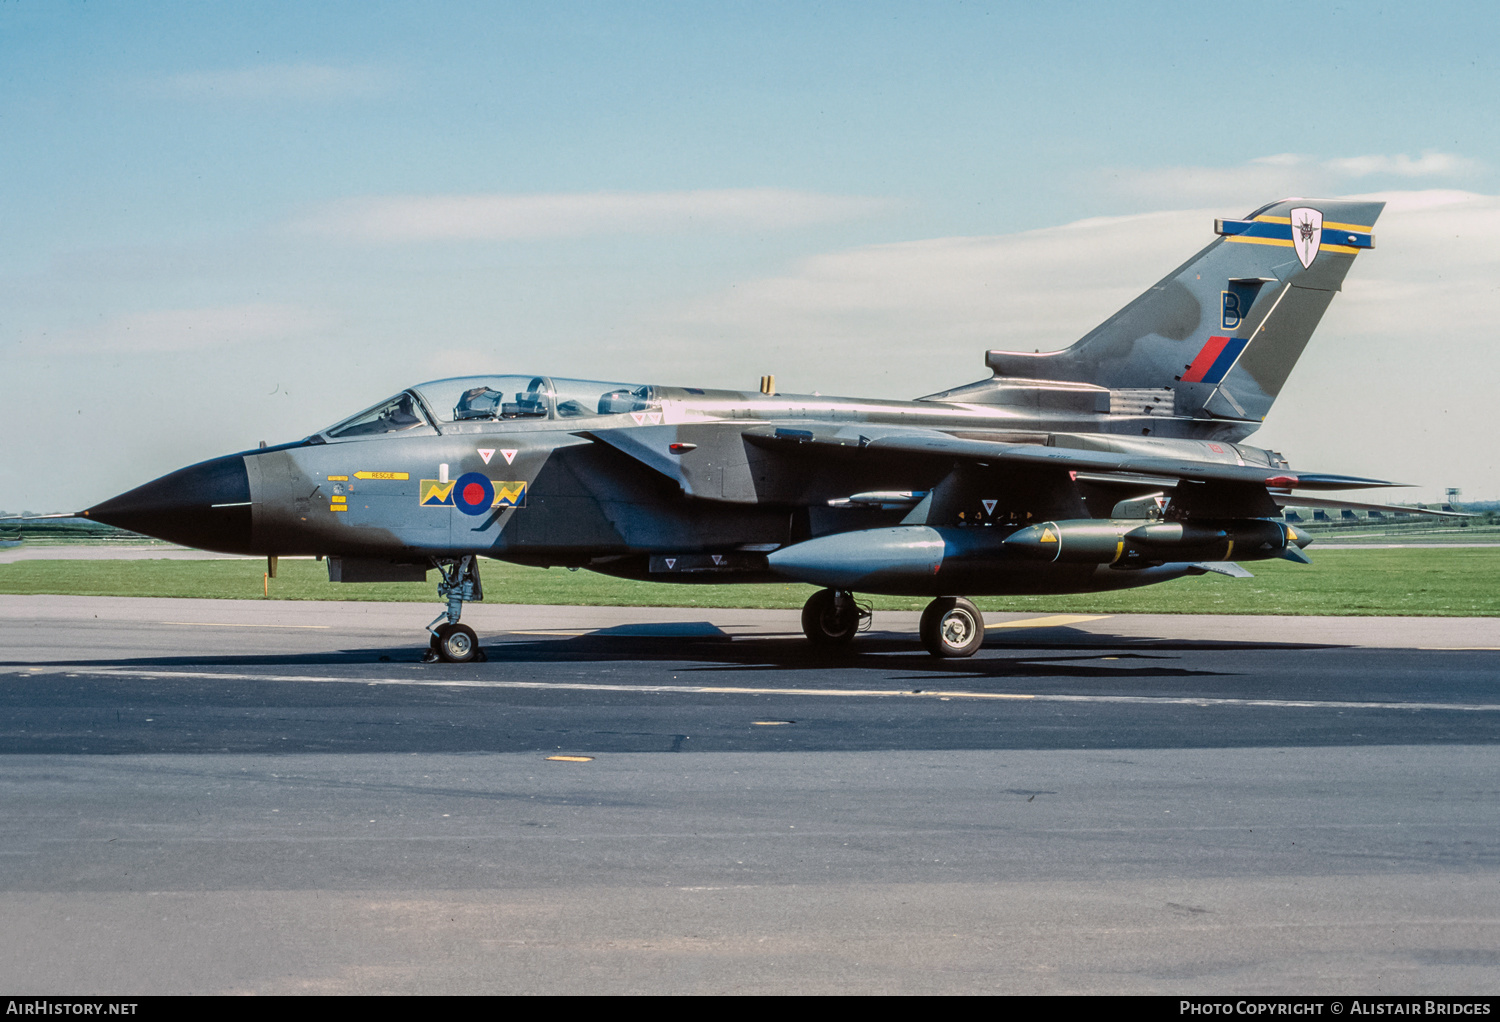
(456, 644)
(825, 623)
(952, 627)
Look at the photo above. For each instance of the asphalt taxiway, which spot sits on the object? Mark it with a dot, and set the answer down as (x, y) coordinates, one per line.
(280, 797)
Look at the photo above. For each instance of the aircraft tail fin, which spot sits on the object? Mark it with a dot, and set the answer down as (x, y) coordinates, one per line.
(1223, 330)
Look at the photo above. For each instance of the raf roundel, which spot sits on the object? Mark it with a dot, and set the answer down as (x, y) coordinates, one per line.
(473, 494)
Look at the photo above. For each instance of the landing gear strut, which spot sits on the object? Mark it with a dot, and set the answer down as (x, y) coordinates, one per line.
(451, 641)
(952, 627)
(832, 618)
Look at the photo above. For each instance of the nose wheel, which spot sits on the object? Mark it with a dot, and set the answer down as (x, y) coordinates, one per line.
(452, 642)
(952, 627)
(455, 644)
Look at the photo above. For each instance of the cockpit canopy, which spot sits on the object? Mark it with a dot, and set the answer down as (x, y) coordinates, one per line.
(475, 399)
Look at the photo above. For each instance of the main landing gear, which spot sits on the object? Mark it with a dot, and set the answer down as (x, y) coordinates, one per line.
(452, 642)
(832, 618)
(951, 626)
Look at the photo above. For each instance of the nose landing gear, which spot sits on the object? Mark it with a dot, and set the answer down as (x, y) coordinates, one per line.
(455, 644)
(452, 642)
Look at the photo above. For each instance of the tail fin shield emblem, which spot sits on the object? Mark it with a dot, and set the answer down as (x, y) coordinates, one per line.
(1307, 234)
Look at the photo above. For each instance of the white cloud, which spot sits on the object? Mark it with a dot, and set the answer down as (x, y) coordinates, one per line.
(1430, 199)
(913, 317)
(1429, 164)
(165, 330)
(1435, 271)
(1276, 176)
(399, 218)
(1398, 382)
(279, 81)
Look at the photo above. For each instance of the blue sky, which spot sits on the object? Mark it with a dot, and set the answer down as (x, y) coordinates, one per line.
(227, 222)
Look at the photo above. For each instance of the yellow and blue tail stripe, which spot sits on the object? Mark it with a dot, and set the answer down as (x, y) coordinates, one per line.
(1277, 230)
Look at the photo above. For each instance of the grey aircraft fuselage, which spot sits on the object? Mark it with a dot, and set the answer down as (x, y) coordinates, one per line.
(1114, 463)
(610, 492)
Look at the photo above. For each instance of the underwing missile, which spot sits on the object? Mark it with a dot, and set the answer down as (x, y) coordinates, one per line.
(1117, 541)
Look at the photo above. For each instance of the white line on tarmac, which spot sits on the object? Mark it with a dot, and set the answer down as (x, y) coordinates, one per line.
(857, 693)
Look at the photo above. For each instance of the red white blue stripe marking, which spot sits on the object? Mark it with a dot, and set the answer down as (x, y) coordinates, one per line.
(1214, 360)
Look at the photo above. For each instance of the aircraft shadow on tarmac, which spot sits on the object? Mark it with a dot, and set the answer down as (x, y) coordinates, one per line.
(1064, 652)
(381, 699)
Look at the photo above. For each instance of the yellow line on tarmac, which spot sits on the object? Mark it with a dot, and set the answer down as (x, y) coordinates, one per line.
(1055, 621)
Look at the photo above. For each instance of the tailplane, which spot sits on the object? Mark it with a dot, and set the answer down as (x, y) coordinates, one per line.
(1222, 331)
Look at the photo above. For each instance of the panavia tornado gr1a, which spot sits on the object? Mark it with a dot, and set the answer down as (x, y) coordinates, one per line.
(1114, 463)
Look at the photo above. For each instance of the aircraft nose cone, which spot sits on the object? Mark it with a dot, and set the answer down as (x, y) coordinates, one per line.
(205, 505)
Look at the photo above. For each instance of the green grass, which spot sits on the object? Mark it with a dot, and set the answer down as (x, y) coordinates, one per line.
(1403, 534)
(1462, 582)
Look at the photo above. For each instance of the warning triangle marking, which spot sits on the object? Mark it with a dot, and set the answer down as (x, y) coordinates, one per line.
(719, 558)
(509, 456)
(989, 506)
(486, 454)
(671, 562)
(654, 417)
(639, 417)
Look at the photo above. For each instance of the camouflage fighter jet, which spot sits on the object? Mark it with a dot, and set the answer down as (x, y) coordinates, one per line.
(1114, 463)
